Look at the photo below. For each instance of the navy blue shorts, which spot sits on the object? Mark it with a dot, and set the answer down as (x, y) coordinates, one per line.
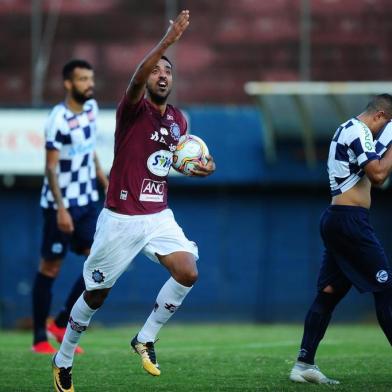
(55, 243)
(353, 253)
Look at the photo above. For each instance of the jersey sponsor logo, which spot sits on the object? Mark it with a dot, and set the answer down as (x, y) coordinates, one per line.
(175, 131)
(159, 162)
(382, 276)
(123, 194)
(368, 140)
(152, 191)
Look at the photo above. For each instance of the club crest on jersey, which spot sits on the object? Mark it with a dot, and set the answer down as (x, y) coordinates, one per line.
(175, 131)
(159, 162)
(153, 191)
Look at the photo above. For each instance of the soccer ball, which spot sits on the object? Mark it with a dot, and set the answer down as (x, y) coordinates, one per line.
(190, 150)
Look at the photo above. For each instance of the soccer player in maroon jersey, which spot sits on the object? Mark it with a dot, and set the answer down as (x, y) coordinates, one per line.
(136, 217)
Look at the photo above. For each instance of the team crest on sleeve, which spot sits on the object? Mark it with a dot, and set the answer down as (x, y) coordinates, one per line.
(98, 276)
(175, 131)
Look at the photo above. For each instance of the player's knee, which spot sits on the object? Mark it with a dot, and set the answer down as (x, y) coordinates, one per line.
(192, 276)
(327, 299)
(95, 298)
(186, 277)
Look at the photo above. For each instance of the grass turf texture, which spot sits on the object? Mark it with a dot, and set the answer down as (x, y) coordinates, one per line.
(207, 357)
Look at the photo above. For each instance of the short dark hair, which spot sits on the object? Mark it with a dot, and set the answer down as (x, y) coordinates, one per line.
(166, 59)
(381, 102)
(71, 65)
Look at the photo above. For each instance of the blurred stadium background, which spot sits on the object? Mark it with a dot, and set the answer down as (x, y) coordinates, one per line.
(256, 219)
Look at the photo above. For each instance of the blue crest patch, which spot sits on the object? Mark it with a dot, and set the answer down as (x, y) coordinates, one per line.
(175, 131)
(97, 276)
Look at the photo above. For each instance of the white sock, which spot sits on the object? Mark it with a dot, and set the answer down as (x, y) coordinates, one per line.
(79, 320)
(169, 299)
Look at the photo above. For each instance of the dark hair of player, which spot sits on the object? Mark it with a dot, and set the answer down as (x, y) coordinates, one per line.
(381, 102)
(166, 59)
(71, 65)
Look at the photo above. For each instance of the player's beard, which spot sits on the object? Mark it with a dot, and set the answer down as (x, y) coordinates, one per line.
(157, 98)
(81, 97)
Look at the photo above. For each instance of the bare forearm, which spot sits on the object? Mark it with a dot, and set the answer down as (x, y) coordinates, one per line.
(136, 86)
(54, 186)
(379, 170)
(101, 176)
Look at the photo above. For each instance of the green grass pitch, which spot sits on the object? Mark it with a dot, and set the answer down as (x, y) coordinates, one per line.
(205, 357)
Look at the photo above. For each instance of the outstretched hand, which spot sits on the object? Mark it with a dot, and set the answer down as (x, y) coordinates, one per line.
(177, 27)
(204, 170)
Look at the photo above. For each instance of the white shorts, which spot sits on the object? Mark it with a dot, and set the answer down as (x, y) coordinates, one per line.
(119, 238)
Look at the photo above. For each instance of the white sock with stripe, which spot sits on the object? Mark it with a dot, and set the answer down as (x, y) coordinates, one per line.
(79, 320)
(169, 299)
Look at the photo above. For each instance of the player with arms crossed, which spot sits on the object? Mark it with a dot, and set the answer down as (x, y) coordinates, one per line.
(353, 254)
(137, 218)
(69, 195)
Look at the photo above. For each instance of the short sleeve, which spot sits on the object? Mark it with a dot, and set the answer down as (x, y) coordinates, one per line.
(362, 145)
(55, 130)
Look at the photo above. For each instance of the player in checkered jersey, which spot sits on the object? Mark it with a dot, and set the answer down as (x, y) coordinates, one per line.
(68, 198)
(136, 217)
(353, 255)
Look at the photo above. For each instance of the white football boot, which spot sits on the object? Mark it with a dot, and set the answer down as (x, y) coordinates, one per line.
(303, 372)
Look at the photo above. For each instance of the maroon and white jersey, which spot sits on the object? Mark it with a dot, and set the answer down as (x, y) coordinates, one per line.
(143, 154)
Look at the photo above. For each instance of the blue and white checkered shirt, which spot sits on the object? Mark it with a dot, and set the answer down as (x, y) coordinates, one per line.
(352, 147)
(74, 136)
(383, 139)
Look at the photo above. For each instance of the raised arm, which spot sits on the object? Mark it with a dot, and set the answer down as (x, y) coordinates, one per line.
(136, 87)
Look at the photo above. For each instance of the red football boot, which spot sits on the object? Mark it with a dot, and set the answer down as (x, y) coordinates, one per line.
(58, 334)
(43, 347)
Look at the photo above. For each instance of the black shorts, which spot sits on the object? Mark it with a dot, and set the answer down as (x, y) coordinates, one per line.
(353, 253)
(55, 243)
